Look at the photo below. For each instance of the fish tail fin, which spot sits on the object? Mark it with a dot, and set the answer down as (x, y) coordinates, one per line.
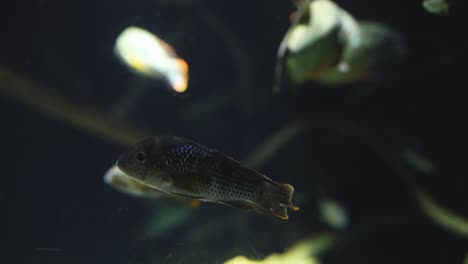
(179, 76)
(182, 65)
(276, 199)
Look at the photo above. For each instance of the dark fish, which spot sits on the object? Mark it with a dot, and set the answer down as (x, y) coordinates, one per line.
(182, 167)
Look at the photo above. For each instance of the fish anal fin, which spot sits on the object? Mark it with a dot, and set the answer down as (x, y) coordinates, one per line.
(194, 203)
(289, 189)
(186, 195)
(280, 213)
(246, 205)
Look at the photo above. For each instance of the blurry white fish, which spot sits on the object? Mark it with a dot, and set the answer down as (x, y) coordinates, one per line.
(437, 7)
(146, 54)
(327, 44)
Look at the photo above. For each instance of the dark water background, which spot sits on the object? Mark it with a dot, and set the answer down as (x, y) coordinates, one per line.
(51, 187)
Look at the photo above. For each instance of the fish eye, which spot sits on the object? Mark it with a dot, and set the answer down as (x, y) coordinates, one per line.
(141, 156)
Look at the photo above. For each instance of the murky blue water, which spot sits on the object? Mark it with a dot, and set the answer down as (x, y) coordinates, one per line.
(69, 107)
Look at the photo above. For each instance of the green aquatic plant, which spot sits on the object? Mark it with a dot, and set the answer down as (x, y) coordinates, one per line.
(165, 219)
(302, 252)
(23, 90)
(441, 215)
(311, 249)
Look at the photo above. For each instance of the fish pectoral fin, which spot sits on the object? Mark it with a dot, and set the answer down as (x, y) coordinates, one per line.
(246, 205)
(194, 203)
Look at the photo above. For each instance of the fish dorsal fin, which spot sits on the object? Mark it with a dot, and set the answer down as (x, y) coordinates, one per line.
(181, 141)
(167, 48)
(245, 173)
(229, 167)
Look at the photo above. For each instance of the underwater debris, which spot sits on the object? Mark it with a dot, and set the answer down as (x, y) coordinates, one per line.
(147, 55)
(184, 168)
(325, 43)
(438, 7)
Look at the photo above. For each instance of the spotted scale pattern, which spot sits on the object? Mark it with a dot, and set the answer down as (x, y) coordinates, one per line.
(185, 159)
(229, 187)
(214, 179)
(184, 162)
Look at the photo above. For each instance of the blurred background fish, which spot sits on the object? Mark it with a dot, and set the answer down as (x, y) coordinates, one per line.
(147, 55)
(327, 44)
(438, 7)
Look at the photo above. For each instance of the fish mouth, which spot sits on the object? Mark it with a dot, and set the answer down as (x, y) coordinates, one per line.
(124, 160)
(111, 173)
(120, 167)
